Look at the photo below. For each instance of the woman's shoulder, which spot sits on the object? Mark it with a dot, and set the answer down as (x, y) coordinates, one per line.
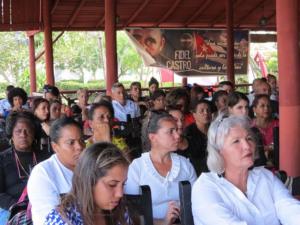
(72, 216)
(6, 153)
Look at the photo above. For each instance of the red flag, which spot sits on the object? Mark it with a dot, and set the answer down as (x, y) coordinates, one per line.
(202, 49)
(166, 75)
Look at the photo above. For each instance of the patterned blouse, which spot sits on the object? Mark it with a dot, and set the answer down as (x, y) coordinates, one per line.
(73, 217)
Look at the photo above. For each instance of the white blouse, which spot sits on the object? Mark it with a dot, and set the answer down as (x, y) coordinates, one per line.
(47, 181)
(217, 201)
(163, 189)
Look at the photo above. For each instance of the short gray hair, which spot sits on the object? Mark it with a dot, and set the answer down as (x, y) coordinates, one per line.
(217, 133)
(117, 85)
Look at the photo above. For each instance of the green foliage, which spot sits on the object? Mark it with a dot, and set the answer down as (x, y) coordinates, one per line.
(272, 63)
(2, 89)
(77, 51)
(24, 80)
(129, 62)
(14, 56)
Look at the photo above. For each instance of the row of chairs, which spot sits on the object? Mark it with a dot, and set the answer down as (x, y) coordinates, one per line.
(142, 203)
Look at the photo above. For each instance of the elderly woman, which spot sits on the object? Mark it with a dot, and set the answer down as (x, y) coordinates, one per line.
(238, 105)
(234, 192)
(17, 161)
(97, 186)
(161, 169)
(53, 176)
(83, 97)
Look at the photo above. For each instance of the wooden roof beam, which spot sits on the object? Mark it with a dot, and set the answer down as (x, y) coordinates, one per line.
(222, 14)
(136, 13)
(54, 6)
(250, 12)
(101, 22)
(199, 11)
(168, 13)
(75, 13)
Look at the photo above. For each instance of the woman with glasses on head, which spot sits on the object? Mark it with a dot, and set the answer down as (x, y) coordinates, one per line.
(97, 190)
(52, 177)
(17, 161)
(161, 169)
(238, 105)
(234, 192)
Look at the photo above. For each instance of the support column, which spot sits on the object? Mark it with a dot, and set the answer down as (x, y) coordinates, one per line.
(230, 41)
(110, 42)
(48, 43)
(32, 64)
(289, 85)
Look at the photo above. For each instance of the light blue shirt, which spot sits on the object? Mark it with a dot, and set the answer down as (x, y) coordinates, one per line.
(4, 106)
(121, 111)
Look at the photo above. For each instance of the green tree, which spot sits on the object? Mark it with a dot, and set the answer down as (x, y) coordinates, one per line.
(14, 56)
(129, 62)
(77, 52)
(272, 62)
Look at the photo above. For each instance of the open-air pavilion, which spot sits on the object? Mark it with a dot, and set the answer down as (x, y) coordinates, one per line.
(282, 16)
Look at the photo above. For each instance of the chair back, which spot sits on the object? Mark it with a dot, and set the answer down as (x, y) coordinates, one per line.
(141, 204)
(296, 186)
(185, 192)
(276, 146)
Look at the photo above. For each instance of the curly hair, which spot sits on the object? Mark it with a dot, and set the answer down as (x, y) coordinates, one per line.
(17, 92)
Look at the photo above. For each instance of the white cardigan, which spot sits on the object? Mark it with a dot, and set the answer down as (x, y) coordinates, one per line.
(217, 201)
(163, 189)
(47, 181)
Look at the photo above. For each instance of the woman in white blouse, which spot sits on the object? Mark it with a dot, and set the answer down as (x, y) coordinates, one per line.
(234, 192)
(161, 169)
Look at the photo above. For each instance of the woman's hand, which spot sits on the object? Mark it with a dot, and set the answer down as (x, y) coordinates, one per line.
(102, 132)
(173, 213)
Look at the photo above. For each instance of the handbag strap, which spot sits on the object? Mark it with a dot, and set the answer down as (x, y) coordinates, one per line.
(23, 195)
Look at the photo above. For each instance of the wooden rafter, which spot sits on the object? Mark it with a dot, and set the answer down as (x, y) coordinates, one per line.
(168, 13)
(101, 21)
(199, 11)
(54, 6)
(75, 12)
(137, 12)
(222, 13)
(250, 12)
(43, 52)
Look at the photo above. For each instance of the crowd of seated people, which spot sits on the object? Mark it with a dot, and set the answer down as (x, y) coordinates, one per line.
(162, 138)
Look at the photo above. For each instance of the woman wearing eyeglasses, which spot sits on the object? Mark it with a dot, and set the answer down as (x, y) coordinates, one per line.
(234, 192)
(161, 169)
(17, 161)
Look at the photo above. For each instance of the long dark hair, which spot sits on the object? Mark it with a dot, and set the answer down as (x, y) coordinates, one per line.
(94, 164)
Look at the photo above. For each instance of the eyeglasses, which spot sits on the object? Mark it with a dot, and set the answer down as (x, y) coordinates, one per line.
(219, 121)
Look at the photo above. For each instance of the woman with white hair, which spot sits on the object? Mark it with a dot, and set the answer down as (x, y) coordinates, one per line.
(234, 192)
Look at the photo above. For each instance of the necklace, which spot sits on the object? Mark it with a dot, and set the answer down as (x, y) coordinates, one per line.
(20, 167)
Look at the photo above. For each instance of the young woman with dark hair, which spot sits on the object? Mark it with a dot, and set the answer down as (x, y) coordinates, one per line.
(97, 189)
